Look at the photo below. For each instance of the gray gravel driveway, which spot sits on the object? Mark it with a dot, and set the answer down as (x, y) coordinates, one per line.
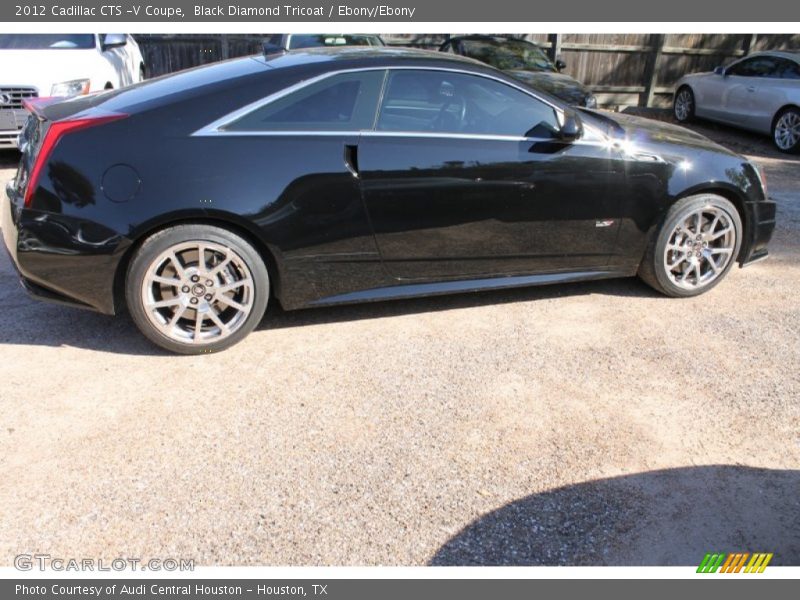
(593, 423)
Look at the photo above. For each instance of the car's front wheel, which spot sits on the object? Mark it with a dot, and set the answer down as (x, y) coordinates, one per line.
(195, 289)
(683, 106)
(695, 247)
(786, 130)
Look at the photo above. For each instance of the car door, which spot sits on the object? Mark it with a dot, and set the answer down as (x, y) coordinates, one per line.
(465, 175)
(709, 90)
(774, 92)
(739, 104)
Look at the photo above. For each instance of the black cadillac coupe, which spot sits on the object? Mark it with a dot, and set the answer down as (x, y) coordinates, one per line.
(324, 176)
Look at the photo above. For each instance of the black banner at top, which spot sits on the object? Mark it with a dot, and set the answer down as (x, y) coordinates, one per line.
(408, 11)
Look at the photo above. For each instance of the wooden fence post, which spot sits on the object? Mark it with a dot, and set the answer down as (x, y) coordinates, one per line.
(750, 43)
(225, 47)
(555, 45)
(651, 69)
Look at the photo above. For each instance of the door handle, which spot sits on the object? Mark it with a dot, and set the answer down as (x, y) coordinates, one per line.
(351, 159)
(751, 88)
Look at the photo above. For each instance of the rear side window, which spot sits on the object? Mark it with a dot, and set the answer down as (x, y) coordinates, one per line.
(345, 102)
(788, 69)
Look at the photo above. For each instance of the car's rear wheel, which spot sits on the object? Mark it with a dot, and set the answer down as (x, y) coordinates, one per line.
(694, 248)
(786, 130)
(683, 106)
(195, 289)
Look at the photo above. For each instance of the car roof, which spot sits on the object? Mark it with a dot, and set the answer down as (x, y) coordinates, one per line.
(790, 54)
(367, 56)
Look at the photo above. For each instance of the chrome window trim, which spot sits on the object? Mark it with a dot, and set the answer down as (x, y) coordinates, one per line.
(404, 134)
(215, 128)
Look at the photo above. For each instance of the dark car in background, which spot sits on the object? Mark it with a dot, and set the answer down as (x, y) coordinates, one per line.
(524, 60)
(298, 41)
(328, 176)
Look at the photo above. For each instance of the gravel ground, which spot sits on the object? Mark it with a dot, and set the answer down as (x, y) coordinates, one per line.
(595, 423)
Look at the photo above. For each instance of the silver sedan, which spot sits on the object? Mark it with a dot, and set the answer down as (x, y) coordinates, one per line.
(760, 92)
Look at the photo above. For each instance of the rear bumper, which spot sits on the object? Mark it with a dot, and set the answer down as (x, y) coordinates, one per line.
(49, 266)
(761, 216)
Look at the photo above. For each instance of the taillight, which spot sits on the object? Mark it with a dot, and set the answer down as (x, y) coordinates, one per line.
(55, 132)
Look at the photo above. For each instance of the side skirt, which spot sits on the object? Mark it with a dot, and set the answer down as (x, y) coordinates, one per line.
(411, 290)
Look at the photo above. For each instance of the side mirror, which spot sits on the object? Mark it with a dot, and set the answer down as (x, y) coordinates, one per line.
(571, 127)
(114, 40)
(271, 48)
(719, 71)
(560, 64)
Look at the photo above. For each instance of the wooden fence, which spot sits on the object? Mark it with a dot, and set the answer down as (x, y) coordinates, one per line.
(622, 69)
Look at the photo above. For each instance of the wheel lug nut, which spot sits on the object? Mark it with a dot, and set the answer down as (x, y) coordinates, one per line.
(193, 300)
(195, 278)
(209, 283)
(208, 297)
(185, 289)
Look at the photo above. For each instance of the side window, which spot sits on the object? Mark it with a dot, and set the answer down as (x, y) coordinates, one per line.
(345, 102)
(758, 66)
(788, 69)
(445, 102)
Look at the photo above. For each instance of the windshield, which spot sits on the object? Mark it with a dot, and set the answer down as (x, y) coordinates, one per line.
(509, 55)
(317, 40)
(47, 41)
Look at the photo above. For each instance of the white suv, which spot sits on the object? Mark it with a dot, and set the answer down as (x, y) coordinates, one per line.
(50, 64)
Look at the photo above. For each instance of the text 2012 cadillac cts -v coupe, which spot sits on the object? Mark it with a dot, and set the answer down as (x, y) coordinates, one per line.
(325, 176)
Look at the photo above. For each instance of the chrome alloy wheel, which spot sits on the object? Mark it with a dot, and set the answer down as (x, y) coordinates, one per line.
(683, 104)
(198, 292)
(787, 130)
(700, 247)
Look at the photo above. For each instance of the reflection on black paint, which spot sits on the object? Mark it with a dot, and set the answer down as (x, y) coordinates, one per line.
(69, 185)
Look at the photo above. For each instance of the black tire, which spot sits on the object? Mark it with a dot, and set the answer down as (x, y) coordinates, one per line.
(684, 94)
(653, 269)
(247, 262)
(785, 143)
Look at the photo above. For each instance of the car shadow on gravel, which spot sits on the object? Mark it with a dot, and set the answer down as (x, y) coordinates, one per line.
(27, 321)
(666, 517)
